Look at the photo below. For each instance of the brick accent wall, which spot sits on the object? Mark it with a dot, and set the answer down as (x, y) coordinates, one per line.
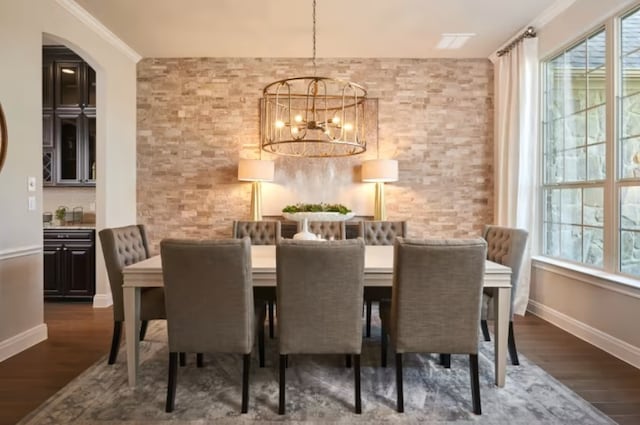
(197, 116)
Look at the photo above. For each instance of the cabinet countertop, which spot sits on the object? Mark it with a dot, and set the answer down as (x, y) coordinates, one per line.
(72, 227)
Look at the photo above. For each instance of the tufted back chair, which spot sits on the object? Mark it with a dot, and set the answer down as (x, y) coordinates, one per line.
(260, 232)
(122, 246)
(506, 246)
(382, 232)
(327, 229)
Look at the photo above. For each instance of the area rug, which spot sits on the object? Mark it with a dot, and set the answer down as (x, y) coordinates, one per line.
(319, 390)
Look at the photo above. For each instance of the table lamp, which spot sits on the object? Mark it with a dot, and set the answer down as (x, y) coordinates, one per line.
(380, 171)
(256, 171)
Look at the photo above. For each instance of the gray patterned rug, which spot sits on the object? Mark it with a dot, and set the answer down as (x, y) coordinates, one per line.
(319, 390)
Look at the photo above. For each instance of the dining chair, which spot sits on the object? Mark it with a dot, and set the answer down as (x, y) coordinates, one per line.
(121, 247)
(379, 233)
(320, 286)
(210, 305)
(435, 304)
(329, 230)
(261, 232)
(505, 246)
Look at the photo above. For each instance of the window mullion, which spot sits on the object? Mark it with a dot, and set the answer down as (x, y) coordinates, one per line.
(611, 191)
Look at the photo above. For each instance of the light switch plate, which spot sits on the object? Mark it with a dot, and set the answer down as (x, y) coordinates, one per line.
(32, 203)
(31, 184)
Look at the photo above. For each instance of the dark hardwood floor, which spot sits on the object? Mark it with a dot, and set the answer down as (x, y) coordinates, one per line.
(79, 335)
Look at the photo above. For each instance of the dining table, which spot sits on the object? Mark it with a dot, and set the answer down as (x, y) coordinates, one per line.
(378, 272)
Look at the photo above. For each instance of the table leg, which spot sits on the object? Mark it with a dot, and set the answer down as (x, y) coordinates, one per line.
(501, 332)
(131, 326)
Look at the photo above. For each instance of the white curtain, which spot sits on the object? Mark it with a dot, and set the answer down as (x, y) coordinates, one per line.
(515, 153)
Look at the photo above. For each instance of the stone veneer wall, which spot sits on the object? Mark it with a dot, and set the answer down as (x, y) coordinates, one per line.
(197, 116)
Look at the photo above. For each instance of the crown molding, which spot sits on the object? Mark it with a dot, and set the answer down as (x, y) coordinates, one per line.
(547, 15)
(96, 26)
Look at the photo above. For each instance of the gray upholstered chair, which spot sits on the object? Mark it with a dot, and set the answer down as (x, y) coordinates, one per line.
(262, 232)
(123, 246)
(435, 306)
(327, 229)
(319, 293)
(379, 233)
(209, 303)
(505, 246)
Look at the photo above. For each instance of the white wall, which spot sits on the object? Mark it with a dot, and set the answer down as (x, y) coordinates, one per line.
(592, 307)
(22, 24)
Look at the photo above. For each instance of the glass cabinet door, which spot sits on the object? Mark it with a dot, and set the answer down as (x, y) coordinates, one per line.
(90, 146)
(68, 84)
(68, 148)
(91, 87)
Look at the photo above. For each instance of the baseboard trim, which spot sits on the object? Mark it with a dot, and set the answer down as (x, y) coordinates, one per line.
(102, 300)
(18, 343)
(612, 345)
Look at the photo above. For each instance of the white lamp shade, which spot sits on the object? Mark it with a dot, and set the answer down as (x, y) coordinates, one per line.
(255, 170)
(380, 170)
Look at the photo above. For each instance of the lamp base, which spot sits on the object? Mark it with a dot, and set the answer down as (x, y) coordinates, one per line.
(379, 210)
(256, 201)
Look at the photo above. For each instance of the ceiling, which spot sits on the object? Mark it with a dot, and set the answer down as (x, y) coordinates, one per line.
(283, 28)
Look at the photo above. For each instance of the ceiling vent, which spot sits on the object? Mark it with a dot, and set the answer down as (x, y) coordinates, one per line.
(454, 40)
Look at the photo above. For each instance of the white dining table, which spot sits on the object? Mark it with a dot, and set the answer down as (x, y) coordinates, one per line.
(378, 272)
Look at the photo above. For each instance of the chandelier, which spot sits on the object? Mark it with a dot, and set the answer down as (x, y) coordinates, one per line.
(313, 116)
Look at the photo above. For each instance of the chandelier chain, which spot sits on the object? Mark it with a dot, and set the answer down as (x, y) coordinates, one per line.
(314, 37)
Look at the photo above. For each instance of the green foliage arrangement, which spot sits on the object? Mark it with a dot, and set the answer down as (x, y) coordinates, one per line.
(322, 207)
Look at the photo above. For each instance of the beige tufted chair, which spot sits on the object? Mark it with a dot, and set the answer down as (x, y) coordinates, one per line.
(379, 233)
(505, 246)
(123, 246)
(327, 229)
(319, 288)
(210, 305)
(435, 306)
(262, 232)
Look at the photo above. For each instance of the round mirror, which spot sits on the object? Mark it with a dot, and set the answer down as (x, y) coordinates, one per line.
(3, 138)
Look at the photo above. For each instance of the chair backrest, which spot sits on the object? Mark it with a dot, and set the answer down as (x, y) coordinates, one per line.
(320, 290)
(437, 289)
(382, 232)
(208, 295)
(327, 229)
(506, 245)
(122, 246)
(262, 232)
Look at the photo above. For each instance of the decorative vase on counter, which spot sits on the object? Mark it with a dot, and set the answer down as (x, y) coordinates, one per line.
(305, 234)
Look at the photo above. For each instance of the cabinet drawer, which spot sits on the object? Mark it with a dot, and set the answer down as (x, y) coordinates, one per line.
(73, 234)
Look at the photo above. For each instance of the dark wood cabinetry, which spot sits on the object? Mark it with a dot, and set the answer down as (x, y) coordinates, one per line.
(68, 119)
(69, 264)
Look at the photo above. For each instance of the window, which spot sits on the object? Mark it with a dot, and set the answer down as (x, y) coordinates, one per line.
(628, 144)
(580, 128)
(574, 152)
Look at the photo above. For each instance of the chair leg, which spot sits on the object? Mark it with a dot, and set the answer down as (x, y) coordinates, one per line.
(356, 377)
(383, 346)
(270, 308)
(283, 361)
(475, 383)
(143, 329)
(115, 342)
(485, 330)
(246, 363)
(199, 360)
(511, 343)
(368, 319)
(171, 387)
(261, 344)
(445, 360)
(183, 359)
(347, 360)
(400, 401)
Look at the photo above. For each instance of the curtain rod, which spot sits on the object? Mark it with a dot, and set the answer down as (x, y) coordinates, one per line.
(529, 33)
